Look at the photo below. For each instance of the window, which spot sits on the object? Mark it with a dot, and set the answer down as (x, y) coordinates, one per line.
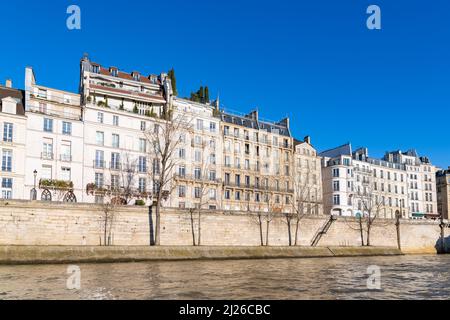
(115, 181)
(100, 138)
(142, 185)
(47, 149)
(42, 93)
(212, 194)
(100, 117)
(66, 174)
(142, 145)
(199, 124)
(182, 153)
(115, 161)
(47, 172)
(212, 127)
(99, 159)
(48, 125)
(182, 191)
(156, 166)
(7, 184)
(142, 164)
(212, 175)
(116, 121)
(7, 160)
(198, 173)
(197, 192)
(335, 173)
(143, 126)
(198, 156)
(99, 180)
(227, 194)
(337, 200)
(8, 132)
(67, 128)
(115, 141)
(237, 195)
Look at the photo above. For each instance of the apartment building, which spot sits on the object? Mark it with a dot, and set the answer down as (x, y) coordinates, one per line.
(257, 163)
(443, 192)
(307, 179)
(119, 108)
(421, 182)
(197, 173)
(13, 141)
(398, 184)
(54, 143)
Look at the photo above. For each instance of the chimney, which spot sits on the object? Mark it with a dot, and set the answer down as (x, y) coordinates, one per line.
(308, 139)
(8, 83)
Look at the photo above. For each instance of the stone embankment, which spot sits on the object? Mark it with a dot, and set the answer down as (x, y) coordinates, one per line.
(82, 254)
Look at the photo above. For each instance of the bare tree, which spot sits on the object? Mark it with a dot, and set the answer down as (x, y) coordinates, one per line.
(164, 139)
(370, 201)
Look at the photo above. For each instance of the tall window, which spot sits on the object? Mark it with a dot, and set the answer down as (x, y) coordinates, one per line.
(66, 151)
(100, 138)
(142, 185)
(116, 121)
(182, 191)
(7, 160)
(100, 117)
(336, 173)
(142, 145)
(199, 124)
(67, 128)
(7, 184)
(48, 125)
(337, 200)
(115, 141)
(99, 159)
(212, 127)
(142, 164)
(8, 132)
(99, 180)
(66, 174)
(115, 161)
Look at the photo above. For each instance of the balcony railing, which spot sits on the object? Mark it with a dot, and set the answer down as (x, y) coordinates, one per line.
(55, 113)
(47, 156)
(189, 177)
(65, 158)
(98, 164)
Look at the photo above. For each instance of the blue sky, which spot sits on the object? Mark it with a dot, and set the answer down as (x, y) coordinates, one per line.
(314, 61)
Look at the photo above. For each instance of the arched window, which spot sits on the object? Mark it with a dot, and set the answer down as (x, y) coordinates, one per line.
(46, 195)
(70, 197)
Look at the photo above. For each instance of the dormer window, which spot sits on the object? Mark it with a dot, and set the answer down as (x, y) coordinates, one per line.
(96, 69)
(136, 76)
(114, 72)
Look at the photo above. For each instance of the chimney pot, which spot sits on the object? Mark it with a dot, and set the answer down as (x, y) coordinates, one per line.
(308, 139)
(9, 83)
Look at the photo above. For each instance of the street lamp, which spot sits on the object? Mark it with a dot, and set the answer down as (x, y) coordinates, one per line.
(33, 192)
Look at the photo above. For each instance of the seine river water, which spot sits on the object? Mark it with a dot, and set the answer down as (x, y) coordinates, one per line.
(408, 277)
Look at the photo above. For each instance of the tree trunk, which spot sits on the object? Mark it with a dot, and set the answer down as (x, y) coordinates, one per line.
(267, 233)
(297, 227)
(199, 241)
(158, 223)
(361, 231)
(261, 231)
(397, 226)
(288, 220)
(192, 228)
(106, 230)
(368, 233)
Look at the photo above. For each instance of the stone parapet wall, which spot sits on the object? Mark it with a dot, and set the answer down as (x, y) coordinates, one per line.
(41, 224)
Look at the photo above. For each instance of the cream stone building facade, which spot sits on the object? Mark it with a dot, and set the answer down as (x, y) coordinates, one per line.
(307, 179)
(443, 192)
(54, 143)
(13, 124)
(257, 163)
(401, 183)
(63, 146)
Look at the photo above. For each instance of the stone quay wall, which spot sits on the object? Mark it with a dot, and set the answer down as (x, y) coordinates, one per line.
(25, 223)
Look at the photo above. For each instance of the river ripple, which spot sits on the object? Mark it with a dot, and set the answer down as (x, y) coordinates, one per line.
(408, 277)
